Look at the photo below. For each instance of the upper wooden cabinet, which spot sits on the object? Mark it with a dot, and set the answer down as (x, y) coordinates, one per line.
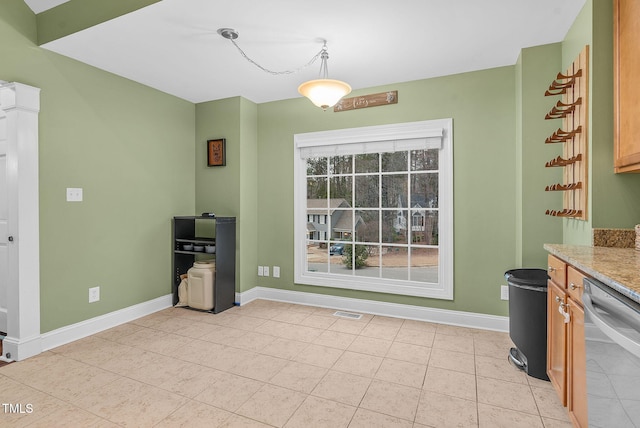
(626, 60)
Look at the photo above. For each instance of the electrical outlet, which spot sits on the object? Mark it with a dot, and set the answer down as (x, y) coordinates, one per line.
(266, 270)
(504, 292)
(260, 271)
(74, 194)
(276, 271)
(94, 294)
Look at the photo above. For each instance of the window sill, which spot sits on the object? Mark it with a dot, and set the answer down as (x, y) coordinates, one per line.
(388, 286)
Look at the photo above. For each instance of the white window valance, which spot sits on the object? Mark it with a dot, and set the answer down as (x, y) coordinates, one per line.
(370, 139)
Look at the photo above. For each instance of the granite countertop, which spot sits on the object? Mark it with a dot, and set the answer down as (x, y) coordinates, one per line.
(619, 268)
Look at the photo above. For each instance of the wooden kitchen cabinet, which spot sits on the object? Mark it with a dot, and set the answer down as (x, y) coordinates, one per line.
(576, 366)
(626, 67)
(574, 283)
(556, 341)
(557, 271)
(566, 357)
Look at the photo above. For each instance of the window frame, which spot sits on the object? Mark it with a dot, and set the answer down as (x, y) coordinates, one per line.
(393, 135)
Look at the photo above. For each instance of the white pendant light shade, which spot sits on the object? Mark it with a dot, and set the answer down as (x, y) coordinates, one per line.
(324, 93)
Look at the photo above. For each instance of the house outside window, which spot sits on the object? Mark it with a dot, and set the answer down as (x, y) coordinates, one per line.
(381, 200)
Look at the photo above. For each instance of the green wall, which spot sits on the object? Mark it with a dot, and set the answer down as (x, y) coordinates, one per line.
(140, 156)
(614, 199)
(499, 174)
(482, 107)
(130, 148)
(512, 193)
(231, 190)
(250, 211)
(579, 231)
(535, 70)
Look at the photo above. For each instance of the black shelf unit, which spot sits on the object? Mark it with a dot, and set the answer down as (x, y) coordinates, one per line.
(184, 232)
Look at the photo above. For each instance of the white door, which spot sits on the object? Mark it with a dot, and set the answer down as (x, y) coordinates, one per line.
(4, 268)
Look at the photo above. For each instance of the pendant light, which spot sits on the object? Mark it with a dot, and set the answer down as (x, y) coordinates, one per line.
(323, 92)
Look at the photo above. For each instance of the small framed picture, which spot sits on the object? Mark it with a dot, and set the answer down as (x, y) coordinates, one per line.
(216, 152)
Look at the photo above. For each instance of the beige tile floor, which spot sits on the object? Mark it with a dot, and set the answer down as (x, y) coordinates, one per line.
(278, 364)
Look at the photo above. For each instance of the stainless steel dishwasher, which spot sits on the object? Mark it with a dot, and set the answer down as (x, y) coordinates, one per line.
(612, 336)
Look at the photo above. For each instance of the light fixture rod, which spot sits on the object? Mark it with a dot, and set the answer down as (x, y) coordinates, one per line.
(324, 56)
(231, 35)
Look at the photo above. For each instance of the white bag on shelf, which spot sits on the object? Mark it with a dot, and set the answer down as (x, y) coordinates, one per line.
(182, 293)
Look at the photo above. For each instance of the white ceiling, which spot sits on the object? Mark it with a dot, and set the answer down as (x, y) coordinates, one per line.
(173, 46)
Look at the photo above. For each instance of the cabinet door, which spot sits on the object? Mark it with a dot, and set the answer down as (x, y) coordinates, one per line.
(626, 59)
(577, 367)
(556, 340)
(557, 270)
(575, 283)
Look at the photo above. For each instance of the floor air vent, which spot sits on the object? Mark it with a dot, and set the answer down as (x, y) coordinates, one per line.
(349, 315)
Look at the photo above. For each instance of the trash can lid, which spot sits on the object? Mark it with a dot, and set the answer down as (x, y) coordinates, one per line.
(530, 277)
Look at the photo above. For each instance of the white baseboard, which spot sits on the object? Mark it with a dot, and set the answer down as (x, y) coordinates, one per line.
(20, 349)
(420, 313)
(95, 325)
(248, 296)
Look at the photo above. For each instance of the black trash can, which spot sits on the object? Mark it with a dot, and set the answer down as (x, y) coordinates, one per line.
(528, 320)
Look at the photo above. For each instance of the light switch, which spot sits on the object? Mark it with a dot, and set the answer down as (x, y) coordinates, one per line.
(74, 194)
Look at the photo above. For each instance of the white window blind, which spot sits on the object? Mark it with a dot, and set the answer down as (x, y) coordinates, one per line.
(372, 139)
(370, 147)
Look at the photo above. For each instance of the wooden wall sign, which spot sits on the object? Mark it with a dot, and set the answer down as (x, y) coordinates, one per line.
(373, 100)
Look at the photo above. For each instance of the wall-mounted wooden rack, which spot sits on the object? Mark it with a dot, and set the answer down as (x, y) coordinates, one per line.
(562, 110)
(559, 87)
(561, 136)
(559, 161)
(561, 187)
(573, 110)
(564, 213)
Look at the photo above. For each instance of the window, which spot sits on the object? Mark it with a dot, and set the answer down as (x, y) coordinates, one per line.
(385, 194)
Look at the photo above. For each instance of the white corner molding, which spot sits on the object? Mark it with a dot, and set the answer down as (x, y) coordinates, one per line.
(77, 331)
(20, 105)
(412, 312)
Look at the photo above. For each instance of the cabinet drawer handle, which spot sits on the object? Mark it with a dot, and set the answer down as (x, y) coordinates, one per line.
(573, 286)
(551, 269)
(561, 304)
